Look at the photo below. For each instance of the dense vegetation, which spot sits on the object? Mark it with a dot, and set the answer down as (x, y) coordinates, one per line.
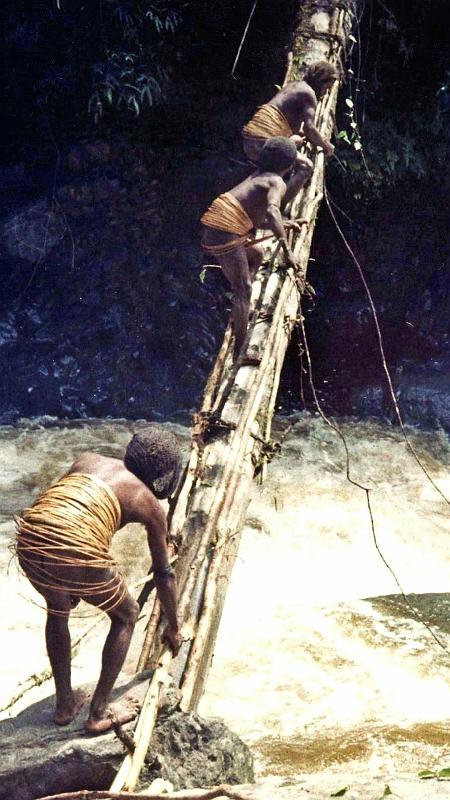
(141, 95)
(113, 61)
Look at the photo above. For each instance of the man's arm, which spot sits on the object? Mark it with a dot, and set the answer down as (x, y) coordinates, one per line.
(274, 219)
(312, 134)
(163, 574)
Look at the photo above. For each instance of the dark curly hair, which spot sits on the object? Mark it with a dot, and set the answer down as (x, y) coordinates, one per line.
(154, 457)
(277, 154)
(320, 74)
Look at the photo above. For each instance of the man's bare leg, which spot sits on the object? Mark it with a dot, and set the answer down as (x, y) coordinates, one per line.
(236, 269)
(57, 637)
(123, 620)
(241, 310)
(254, 257)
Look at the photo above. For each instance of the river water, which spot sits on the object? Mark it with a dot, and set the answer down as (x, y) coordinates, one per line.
(320, 665)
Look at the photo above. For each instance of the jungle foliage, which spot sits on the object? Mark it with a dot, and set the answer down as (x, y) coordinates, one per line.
(395, 105)
(101, 65)
(400, 147)
(139, 49)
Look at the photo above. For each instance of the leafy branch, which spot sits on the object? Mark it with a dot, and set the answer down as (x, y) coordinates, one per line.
(135, 72)
(126, 80)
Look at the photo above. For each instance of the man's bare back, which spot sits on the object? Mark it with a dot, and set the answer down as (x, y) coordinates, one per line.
(297, 101)
(253, 194)
(137, 502)
(297, 104)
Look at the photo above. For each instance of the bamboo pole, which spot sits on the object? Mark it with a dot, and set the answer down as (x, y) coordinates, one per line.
(130, 769)
(178, 517)
(237, 498)
(224, 790)
(132, 764)
(268, 409)
(231, 511)
(149, 635)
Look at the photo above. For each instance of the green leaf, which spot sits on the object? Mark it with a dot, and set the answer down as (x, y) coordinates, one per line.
(132, 103)
(344, 136)
(387, 792)
(443, 773)
(147, 93)
(426, 773)
(340, 792)
(349, 102)
(202, 275)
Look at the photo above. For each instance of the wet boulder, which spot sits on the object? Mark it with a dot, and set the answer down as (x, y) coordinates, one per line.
(40, 758)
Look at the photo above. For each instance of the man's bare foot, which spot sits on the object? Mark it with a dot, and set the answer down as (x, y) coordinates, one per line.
(66, 712)
(121, 712)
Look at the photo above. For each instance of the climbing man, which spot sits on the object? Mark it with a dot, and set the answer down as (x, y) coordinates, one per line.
(291, 109)
(63, 543)
(231, 219)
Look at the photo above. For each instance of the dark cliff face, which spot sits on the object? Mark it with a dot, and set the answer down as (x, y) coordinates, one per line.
(103, 311)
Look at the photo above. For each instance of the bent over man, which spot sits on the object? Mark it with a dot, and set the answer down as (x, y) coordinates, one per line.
(291, 109)
(63, 545)
(230, 221)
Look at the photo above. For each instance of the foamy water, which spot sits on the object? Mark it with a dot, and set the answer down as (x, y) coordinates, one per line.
(312, 675)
